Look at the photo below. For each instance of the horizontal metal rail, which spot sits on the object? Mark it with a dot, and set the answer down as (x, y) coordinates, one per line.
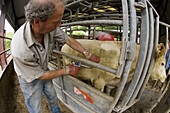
(105, 68)
(73, 3)
(95, 22)
(5, 37)
(115, 32)
(4, 51)
(164, 24)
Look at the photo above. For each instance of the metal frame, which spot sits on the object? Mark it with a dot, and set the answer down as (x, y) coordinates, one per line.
(148, 44)
(2, 23)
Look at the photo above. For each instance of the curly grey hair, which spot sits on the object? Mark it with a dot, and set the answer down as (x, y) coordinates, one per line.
(39, 10)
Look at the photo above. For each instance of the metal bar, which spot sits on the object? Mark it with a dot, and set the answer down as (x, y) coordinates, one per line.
(133, 26)
(152, 8)
(105, 68)
(164, 24)
(122, 61)
(70, 12)
(73, 3)
(115, 32)
(94, 32)
(95, 22)
(61, 77)
(2, 43)
(148, 58)
(166, 42)
(100, 15)
(124, 40)
(156, 37)
(4, 51)
(5, 37)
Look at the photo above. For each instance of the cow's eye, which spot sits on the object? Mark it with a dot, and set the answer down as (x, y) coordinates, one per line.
(162, 64)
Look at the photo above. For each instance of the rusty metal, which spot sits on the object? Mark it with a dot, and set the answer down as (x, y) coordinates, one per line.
(2, 43)
(5, 37)
(4, 51)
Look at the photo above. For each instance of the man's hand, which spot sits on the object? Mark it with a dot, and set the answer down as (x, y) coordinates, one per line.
(93, 58)
(72, 70)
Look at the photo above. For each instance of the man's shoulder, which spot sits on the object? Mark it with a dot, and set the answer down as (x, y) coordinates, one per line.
(18, 43)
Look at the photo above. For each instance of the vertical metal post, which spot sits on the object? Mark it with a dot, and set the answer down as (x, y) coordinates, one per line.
(94, 32)
(166, 42)
(71, 32)
(2, 43)
(148, 58)
(133, 26)
(61, 77)
(122, 60)
(156, 32)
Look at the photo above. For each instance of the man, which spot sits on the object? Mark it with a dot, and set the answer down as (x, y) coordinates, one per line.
(31, 45)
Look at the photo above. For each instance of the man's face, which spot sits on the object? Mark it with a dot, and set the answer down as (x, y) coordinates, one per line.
(52, 22)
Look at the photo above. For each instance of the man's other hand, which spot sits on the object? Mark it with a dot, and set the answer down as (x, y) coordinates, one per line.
(72, 70)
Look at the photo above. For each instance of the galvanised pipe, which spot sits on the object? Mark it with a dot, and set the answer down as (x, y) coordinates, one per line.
(95, 22)
(156, 37)
(150, 5)
(122, 62)
(61, 77)
(148, 57)
(133, 26)
(164, 24)
(105, 68)
(73, 3)
(166, 43)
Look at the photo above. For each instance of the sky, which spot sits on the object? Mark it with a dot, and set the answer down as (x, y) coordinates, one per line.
(8, 27)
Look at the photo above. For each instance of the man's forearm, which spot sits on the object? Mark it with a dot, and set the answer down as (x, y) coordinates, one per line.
(75, 45)
(53, 74)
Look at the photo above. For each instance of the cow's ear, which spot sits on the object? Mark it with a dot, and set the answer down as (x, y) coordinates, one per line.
(160, 50)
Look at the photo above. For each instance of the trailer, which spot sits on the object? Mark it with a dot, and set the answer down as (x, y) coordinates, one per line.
(130, 21)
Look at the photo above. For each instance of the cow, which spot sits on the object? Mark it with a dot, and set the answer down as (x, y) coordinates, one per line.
(109, 53)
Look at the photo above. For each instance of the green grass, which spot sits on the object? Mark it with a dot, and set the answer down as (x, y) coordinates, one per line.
(8, 42)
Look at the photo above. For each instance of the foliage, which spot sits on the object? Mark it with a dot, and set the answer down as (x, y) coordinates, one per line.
(79, 33)
(8, 42)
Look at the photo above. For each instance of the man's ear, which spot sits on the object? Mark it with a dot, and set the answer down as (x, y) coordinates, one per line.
(160, 50)
(36, 22)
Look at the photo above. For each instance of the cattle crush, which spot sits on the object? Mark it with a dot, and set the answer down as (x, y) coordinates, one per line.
(133, 23)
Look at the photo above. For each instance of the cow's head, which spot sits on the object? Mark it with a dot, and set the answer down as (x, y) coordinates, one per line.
(158, 71)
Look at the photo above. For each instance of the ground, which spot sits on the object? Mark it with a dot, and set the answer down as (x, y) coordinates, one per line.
(16, 101)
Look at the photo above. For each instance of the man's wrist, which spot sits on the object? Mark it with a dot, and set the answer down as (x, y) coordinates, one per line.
(85, 52)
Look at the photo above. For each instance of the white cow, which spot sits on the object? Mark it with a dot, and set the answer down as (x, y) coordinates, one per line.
(109, 52)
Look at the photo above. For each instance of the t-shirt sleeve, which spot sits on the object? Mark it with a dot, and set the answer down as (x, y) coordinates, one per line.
(27, 67)
(60, 36)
